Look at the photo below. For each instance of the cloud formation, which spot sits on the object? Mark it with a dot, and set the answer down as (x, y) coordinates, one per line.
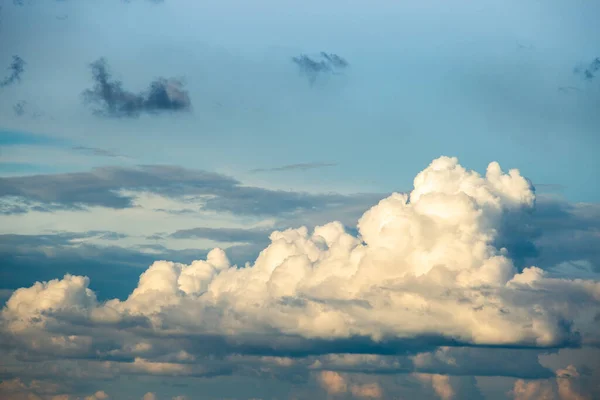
(566, 386)
(325, 63)
(115, 187)
(16, 69)
(426, 259)
(589, 72)
(111, 100)
(423, 273)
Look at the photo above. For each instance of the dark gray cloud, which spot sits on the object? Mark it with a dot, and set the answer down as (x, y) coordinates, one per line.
(16, 69)
(101, 187)
(325, 63)
(589, 71)
(111, 100)
(295, 167)
(555, 232)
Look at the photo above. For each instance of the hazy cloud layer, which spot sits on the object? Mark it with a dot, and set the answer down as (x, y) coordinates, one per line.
(325, 63)
(295, 167)
(16, 69)
(106, 187)
(112, 100)
(224, 234)
(96, 151)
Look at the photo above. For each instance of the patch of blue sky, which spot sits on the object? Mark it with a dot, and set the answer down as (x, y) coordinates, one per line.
(16, 138)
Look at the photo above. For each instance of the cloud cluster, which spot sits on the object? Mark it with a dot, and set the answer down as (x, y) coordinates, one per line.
(16, 389)
(114, 101)
(335, 384)
(424, 271)
(565, 386)
(16, 68)
(325, 63)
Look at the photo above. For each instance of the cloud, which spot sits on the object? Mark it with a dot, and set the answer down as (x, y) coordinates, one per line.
(440, 383)
(112, 100)
(16, 69)
(335, 384)
(589, 72)
(295, 167)
(421, 284)
(223, 234)
(95, 151)
(17, 389)
(325, 63)
(332, 382)
(20, 108)
(566, 386)
(114, 187)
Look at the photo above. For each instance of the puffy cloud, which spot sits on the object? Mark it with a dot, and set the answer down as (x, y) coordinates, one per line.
(333, 382)
(534, 390)
(424, 271)
(367, 391)
(440, 384)
(99, 395)
(567, 386)
(149, 396)
(566, 380)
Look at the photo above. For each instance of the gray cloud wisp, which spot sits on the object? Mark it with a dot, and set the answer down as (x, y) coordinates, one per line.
(112, 100)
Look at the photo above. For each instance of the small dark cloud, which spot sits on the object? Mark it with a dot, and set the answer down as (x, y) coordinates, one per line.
(16, 68)
(25, 109)
(96, 151)
(111, 100)
(522, 46)
(325, 63)
(295, 167)
(589, 72)
(20, 108)
(568, 89)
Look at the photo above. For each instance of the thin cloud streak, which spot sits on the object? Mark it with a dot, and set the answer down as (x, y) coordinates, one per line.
(295, 167)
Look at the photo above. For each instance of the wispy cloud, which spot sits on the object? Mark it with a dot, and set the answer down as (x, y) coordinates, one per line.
(112, 186)
(111, 100)
(96, 151)
(325, 63)
(590, 70)
(16, 69)
(295, 167)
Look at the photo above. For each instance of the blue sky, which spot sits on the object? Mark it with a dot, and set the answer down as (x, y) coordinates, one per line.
(242, 144)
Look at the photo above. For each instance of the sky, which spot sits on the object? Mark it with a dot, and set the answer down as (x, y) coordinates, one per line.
(299, 200)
